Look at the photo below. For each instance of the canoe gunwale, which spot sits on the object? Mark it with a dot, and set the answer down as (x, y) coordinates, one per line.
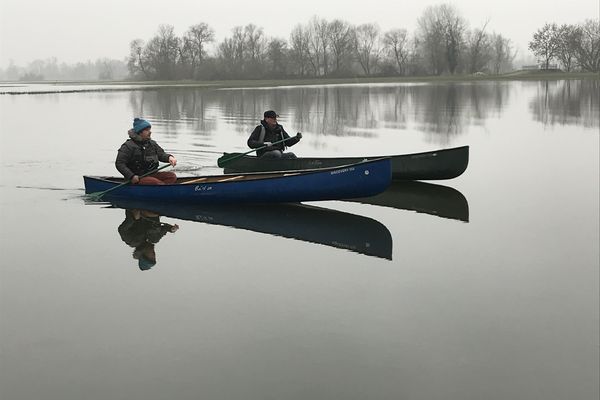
(249, 176)
(370, 158)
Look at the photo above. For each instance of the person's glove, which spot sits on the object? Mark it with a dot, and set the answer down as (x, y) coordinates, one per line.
(267, 143)
(299, 135)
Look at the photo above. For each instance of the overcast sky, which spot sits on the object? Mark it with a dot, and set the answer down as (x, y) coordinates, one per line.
(81, 30)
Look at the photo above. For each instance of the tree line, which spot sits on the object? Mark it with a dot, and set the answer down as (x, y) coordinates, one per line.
(103, 69)
(572, 46)
(443, 43)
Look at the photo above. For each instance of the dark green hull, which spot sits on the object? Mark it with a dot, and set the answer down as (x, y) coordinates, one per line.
(422, 197)
(432, 165)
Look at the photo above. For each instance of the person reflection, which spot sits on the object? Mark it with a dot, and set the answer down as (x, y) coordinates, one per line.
(142, 230)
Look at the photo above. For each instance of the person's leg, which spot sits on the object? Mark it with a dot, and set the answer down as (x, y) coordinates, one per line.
(159, 178)
(167, 177)
(272, 154)
(150, 180)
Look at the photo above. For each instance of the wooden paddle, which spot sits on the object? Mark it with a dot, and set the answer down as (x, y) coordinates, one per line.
(229, 157)
(97, 195)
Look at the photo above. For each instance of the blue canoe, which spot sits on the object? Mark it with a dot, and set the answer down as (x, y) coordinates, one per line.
(356, 180)
(303, 222)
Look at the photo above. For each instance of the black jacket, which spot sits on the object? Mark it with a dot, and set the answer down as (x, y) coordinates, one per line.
(137, 232)
(137, 157)
(271, 135)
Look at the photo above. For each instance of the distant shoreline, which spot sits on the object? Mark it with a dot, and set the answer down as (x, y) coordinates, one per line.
(525, 75)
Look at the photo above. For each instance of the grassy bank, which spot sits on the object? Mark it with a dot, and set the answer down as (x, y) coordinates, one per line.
(517, 75)
(531, 75)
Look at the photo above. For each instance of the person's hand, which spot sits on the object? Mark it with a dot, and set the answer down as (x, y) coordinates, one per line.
(135, 179)
(268, 143)
(172, 161)
(299, 135)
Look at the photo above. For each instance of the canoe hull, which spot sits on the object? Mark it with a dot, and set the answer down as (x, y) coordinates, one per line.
(432, 165)
(357, 180)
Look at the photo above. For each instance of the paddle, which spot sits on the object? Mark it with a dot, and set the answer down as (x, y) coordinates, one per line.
(225, 159)
(97, 195)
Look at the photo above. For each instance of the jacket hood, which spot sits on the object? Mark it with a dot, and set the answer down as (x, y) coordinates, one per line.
(134, 136)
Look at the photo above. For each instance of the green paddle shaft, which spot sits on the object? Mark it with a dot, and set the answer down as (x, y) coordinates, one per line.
(98, 195)
(224, 159)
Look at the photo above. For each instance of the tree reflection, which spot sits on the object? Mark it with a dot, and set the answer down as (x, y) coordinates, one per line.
(442, 110)
(567, 102)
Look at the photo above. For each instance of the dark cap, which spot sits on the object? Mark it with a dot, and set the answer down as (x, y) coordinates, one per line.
(270, 114)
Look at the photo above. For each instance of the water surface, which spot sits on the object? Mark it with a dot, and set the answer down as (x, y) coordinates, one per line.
(480, 287)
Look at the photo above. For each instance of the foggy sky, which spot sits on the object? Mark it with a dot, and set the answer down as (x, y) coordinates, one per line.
(81, 30)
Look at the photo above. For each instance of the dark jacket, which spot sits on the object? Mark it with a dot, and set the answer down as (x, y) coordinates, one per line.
(271, 135)
(137, 157)
(136, 232)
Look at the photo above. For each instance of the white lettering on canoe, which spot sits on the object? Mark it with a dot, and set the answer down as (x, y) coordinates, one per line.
(342, 171)
(202, 188)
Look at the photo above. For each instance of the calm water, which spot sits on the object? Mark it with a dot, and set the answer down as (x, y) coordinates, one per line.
(481, 287)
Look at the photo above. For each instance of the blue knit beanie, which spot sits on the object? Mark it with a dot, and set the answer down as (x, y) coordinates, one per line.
(145, 264)
(140, 124)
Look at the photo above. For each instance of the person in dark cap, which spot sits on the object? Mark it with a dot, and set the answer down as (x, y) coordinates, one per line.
(140, 155)
(269, 132)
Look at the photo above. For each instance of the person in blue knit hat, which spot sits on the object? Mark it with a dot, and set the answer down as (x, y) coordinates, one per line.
(140, 155)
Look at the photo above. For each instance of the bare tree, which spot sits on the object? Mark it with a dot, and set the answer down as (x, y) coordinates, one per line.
(161, 53)
(396, 44)
(231, 54)
(454, 29)
(340, 39)
(568, 38)
(442, 31)
(588, 46)
(276, 56)
(545, 43)
(299, 51)
(194, 45)
(255, 46)
(478, 49)
(366, 46)
(502, 53)
(431, 41)
(255, 43)
(318, 46)
(135, 62)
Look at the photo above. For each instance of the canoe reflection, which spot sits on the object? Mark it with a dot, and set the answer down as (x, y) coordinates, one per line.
(439, 200)
(312, 224)
(141, 230)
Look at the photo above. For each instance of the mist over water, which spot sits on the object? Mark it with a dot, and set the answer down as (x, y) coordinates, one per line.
(483, 286)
